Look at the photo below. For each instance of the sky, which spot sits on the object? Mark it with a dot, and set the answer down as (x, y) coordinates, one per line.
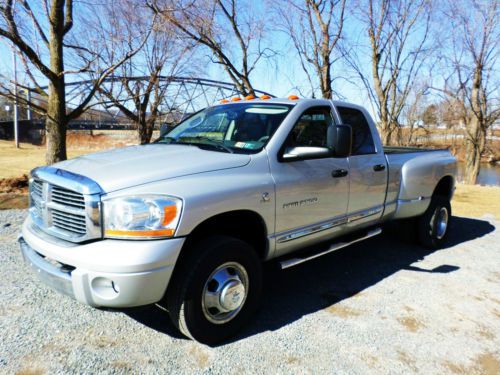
(278, 78)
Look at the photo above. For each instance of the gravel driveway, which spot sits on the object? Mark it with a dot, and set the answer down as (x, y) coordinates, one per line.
(383, 306)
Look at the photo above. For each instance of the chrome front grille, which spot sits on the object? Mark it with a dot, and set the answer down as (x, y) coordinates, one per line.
(59, 207)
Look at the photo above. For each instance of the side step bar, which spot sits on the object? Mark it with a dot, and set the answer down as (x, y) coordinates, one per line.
(295, 261)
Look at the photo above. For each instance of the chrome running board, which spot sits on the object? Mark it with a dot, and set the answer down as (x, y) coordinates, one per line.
(295, 261)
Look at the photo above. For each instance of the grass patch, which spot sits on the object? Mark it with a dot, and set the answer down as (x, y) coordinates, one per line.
(476, 201)
(16, 162)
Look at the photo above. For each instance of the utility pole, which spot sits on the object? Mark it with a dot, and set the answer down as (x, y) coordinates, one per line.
(16, 123)
(28, 108)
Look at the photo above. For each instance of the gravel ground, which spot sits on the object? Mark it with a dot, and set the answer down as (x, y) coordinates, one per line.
(383, 306)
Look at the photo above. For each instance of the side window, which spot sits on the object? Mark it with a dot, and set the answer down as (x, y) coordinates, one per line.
(311, 128)
(362, 140)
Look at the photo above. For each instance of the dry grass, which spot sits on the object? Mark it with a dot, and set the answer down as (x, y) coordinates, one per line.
(16, 162)
(476, 201)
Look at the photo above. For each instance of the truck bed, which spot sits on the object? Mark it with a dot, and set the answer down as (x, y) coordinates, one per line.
(409, 150)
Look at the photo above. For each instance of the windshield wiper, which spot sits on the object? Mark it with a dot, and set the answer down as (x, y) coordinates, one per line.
(170, 139)
(205, 142)
(210, 142)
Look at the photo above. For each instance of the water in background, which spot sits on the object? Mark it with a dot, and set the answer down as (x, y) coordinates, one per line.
(489, 174)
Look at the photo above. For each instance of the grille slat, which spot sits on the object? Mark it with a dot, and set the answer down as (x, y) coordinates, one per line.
(69, 203)
(68, 219)
(37, 188)
(70, 222)
(64, 225)
(58, 190)
(67, 197)
(63, 197)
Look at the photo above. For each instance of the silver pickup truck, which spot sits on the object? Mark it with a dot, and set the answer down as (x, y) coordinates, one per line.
(189, 219)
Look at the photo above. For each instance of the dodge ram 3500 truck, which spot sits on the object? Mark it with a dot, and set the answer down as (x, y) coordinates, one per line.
(189, 219)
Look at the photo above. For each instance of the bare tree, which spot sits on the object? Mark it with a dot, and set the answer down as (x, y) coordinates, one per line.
(397, 35)
(42, 36)
(412, 114)
(140, 85)
(472, 52)
(234, 35)
(315, 27)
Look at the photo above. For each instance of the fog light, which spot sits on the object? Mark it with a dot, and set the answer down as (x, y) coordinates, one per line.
(105, 288)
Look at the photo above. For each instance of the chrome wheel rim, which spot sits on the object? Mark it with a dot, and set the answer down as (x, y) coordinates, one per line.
(441, 222)
(225, 293)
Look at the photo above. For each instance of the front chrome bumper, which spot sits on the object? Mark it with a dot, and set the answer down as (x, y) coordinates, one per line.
(54, 276)
(110, 273)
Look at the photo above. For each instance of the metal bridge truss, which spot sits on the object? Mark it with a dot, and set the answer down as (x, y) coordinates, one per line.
(183, 95)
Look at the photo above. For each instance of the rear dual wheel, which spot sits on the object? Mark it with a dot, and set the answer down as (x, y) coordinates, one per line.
(433, 225)
(217, 289)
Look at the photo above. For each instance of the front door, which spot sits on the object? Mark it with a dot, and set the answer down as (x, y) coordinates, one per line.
(311, 195)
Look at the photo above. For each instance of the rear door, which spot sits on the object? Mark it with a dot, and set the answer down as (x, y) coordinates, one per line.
(367, 168)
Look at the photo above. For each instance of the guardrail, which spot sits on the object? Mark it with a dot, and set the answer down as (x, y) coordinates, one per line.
(32, 130)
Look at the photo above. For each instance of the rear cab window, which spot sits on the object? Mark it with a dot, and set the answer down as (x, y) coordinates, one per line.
(362, 139)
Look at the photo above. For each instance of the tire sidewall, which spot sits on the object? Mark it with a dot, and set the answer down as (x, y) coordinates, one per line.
(428, 228)
(218, 251)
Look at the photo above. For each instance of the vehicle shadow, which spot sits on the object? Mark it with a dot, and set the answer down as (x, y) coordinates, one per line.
(312, 286)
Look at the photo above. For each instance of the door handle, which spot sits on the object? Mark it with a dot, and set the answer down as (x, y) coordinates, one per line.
(378, 167)
(340, 173)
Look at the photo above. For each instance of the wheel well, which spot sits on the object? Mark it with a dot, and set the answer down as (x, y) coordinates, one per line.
(245, 225)
(445, 187)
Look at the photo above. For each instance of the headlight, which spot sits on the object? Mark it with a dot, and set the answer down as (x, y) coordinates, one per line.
(142, 216)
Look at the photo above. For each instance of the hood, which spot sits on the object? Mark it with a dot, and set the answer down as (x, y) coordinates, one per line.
(130, 166)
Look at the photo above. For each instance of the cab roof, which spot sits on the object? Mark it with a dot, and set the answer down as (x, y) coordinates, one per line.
(289, 101)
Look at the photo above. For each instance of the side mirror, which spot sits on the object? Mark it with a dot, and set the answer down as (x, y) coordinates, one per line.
(342, 142)
(301, 153)
(164, 129)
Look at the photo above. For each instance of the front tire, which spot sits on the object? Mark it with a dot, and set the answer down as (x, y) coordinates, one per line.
(217, 289)
(433, 225)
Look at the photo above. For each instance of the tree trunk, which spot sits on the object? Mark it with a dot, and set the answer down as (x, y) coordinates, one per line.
(326, 79)
(386, 136)
(56, 110)
(473, 158)
(145, 131)
(56, 125)
(385, 131)
(474, 149)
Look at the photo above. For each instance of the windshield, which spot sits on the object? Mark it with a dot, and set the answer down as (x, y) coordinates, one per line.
(235, 127)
